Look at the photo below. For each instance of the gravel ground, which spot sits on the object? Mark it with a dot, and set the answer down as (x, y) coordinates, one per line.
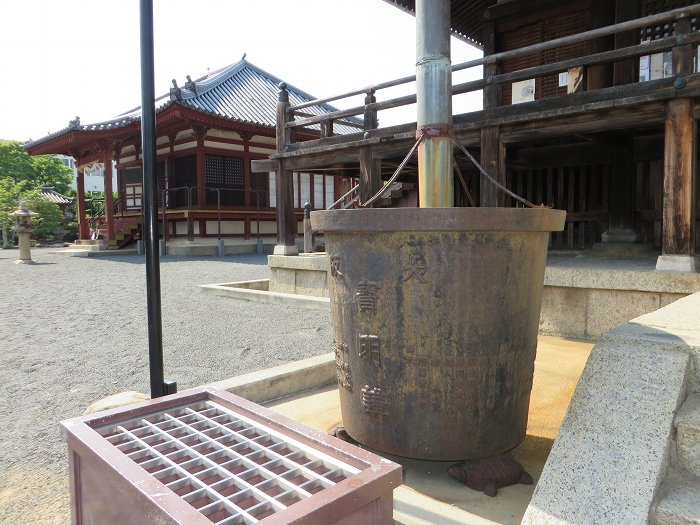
(74, 330)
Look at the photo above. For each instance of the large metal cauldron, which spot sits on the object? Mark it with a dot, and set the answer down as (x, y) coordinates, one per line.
(435, 317)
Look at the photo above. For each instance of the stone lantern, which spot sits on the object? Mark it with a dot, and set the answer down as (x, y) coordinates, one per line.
(24, 227)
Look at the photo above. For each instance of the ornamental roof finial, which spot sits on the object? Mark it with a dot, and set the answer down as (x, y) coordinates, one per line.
(191, 85)
(175, 92)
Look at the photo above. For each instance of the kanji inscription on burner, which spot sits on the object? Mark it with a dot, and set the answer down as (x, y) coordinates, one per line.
(340, 348)
(367, 294)
(369, 349)
(416, 266)
(374, 401)
(342, 372)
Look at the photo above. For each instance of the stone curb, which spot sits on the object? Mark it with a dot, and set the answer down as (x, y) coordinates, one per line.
(260, 387)
(281, 381)
(242, 290)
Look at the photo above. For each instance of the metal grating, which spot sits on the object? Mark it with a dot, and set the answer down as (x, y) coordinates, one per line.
(232, 469)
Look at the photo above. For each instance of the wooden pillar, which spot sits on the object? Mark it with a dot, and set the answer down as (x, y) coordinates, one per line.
(370, 174)
(286, 221)
(120, 186)
(600, 76)
(493, 160)
(626, 71)
(109, 190)
(370, 168)
(327, 128)
(201, 193)
(493, 152)
(492, 94)
(83, 229)
(680, 146)
(246, 168)
(678, 238)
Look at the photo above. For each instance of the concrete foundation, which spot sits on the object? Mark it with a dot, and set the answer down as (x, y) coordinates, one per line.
(585, 297)
(678, 263)
(617, 441)
(215, 247)
(582, 297)
(306, 274)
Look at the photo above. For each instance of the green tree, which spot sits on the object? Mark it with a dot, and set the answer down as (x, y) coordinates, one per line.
(22, 177)
(32, 172)
(9, 191)
(48, 223)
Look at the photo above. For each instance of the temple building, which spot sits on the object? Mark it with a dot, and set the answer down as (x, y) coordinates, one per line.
(588, 106)
(208, 132)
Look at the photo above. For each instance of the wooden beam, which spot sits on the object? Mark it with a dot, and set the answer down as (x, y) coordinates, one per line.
(263, 165)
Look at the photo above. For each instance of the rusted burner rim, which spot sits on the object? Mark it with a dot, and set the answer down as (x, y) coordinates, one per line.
(440, 220)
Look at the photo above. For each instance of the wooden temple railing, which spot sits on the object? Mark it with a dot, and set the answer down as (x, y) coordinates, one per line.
(623, 106)
(296, 119)
(168, 201)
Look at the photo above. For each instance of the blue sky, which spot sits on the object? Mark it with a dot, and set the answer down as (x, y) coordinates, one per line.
(65, 58)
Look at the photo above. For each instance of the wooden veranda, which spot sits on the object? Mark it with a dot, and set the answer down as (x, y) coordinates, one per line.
(616, 149)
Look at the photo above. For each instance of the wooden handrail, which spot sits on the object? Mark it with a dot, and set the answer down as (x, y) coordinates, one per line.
(608, 56)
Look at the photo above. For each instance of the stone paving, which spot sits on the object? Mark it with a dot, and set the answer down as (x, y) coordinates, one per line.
(74, 330)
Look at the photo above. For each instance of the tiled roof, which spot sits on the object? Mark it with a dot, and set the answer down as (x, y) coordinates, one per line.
(241, 92)
(54, 196)
(466, 17)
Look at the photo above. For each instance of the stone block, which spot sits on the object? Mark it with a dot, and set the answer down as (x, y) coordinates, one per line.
(683, 314)
(563, 312)
(678, 263)
(311, 283)
(613, 447)
(283, 380)
(688, 435)
(610, 308)
(667, 298)
(282, 280)
(681, 503)
(312, 262)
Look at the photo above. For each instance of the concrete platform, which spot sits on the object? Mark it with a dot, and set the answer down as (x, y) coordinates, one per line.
(429, 495)
(207, 246)
(583, 296)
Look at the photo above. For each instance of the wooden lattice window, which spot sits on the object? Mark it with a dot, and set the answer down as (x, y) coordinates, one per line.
(653, 7)
(160, 178)
(227, 174)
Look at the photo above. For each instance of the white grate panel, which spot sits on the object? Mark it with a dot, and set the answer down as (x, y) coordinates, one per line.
(230, 468)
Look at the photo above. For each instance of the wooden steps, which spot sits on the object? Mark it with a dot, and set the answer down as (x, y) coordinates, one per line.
(125, 236)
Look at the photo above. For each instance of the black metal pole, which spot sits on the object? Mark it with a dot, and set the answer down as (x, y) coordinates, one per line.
(150, 205)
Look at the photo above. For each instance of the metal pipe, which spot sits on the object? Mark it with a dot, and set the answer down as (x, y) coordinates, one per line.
(150, 204)
(434, 100)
